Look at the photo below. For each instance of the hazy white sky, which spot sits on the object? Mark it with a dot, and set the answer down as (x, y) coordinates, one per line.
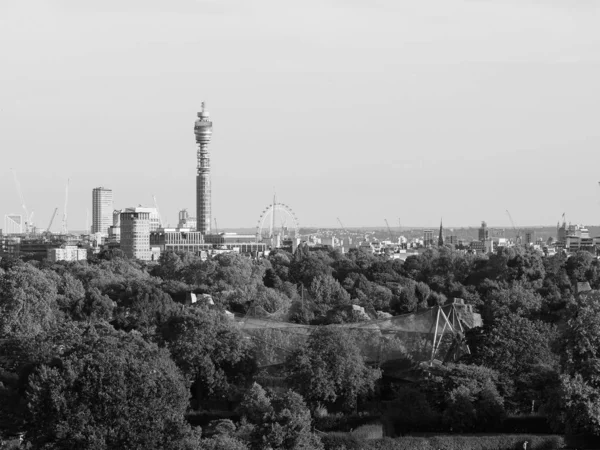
(362, 109)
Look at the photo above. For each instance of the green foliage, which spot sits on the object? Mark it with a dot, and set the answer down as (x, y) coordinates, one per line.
(328, 293)
(256, 404)
(468, 396)
(28, 301)
(222, 442)
(279, 422)
(520, 349)
(210, 351)
(576, 403)
(330, 368)
(106, 390)
(419, 417)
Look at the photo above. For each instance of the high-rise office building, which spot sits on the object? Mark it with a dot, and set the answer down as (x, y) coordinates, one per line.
(102, 210)
(135, 233)
(203, 132)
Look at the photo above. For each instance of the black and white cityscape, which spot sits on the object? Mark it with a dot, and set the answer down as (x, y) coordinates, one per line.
(240, 225)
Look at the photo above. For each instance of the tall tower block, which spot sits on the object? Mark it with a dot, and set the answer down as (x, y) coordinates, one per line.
(203, 132)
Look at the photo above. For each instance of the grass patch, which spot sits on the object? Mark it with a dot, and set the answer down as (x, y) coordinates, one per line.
(350, 441)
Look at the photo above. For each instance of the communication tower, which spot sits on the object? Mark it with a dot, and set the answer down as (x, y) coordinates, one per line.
(203, 132)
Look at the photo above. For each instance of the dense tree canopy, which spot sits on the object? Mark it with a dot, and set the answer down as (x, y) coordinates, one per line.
(104, 389)
(77, 336)
(330, 368)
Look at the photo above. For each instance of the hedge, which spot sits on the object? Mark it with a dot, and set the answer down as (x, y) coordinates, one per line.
(447, 442)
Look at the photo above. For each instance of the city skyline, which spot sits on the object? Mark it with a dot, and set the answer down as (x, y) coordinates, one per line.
(401, 123)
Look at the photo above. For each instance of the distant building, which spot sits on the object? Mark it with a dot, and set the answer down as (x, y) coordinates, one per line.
(529, 237)
(244, 243)
(114, 231)
(67, 253)
(573, 238)
(187, 240)
(427, 238)
(186, 221)
(478, 246)
(178, 240)
(452, 240)
(13, 224)
(102, 210)
(484, 232)
(135, 233)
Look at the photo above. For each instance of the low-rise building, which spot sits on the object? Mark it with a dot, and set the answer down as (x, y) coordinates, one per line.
(67, 253)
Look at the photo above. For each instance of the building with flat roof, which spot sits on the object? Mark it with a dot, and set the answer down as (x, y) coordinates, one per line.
(135, 233)
(102, 210)
(67, 253)
(188, 240)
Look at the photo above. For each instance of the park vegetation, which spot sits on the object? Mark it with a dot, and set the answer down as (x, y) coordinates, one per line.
(110, 353)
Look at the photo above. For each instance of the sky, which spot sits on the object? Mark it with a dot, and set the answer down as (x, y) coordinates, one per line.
(365, 110)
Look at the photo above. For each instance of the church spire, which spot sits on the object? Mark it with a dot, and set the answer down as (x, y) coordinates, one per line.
(441, 236)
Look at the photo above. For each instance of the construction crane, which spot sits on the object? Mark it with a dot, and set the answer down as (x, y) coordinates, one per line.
(389, 229)
(65, 225)
(342, 225)
(517, 232)
(216, 228)
(157, 211)
(28, 217)
(51, 220)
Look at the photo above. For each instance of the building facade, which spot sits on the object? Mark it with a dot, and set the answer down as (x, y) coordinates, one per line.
(427, 238)
(102, 210)
(135, 233)
(188, 240)
(67, 253)
(13, 224)
(484, 232)
(186, 221)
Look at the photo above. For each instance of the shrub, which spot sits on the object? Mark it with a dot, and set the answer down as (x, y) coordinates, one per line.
(339, 422)
(346, 441)
(320, 411)
(410, 412)
(368, 432)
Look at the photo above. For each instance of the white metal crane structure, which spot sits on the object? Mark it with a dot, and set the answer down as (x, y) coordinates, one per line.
(342, 225)
(389, 229)
(51, 220)
(28, 217)
(65, 225)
